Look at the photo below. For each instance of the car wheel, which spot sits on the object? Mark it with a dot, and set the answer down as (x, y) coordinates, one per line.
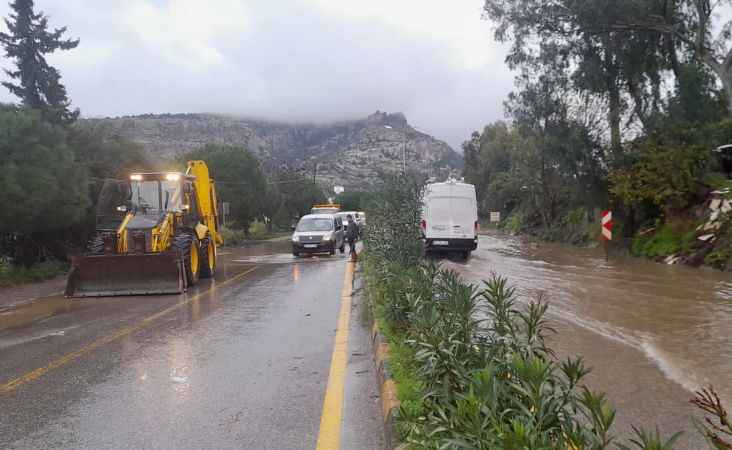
(295, 254)
(466, 254)
(343, 248)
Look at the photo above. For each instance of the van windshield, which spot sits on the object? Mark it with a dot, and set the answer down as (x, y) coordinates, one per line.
(315, 224)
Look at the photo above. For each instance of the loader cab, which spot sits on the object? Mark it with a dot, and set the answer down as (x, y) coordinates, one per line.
(112, 204)
(156, 193)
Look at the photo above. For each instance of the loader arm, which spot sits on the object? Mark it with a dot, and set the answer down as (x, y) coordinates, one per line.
(205, 192)
(162, 234)
(122, 234)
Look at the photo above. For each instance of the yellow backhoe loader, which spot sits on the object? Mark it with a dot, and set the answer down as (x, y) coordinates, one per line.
(156, 234)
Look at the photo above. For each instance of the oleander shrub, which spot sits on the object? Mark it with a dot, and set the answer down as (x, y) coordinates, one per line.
(471, 363)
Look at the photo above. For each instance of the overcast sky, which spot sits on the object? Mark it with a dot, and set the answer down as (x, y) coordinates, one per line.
(291, 60)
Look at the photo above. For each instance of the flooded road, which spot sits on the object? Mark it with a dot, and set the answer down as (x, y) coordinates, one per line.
(652, 332)
(238, 362)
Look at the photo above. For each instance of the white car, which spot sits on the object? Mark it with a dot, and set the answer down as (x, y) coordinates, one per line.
(450, 218)
(318, 233)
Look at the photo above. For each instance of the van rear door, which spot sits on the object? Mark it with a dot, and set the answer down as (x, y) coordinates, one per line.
(438, 219)
(450, 212)
(463, 218)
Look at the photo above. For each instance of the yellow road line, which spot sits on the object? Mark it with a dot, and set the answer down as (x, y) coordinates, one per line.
(62, 361)
(329, 437)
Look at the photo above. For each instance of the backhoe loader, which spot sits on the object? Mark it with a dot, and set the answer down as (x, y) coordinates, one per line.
(156, 233)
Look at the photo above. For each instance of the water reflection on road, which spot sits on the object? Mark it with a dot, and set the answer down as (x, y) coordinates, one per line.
(657, 329)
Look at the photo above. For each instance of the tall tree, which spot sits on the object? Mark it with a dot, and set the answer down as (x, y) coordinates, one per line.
(38, 84)
(689, 23)
(43, 188)
(568, 36)
(239, 180)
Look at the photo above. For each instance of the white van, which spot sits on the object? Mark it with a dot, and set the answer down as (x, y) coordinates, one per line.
(450, 218)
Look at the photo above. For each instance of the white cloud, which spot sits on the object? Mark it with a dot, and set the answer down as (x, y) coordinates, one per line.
(457, 24)
(294, 60)
(185, 31)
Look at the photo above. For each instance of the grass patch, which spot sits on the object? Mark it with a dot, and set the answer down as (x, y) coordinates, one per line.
(513, 223)
(11, 275)
(232, 236)
(664, 242)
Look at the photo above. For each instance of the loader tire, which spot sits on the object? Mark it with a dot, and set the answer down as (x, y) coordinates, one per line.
(189, 250)
(95, 246)
(208, 258)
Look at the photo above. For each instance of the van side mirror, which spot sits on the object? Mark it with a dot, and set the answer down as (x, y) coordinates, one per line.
(292, 227)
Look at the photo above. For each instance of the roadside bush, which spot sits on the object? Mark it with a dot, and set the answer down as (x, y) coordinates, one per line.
(666, 174)
(11, 275)
(488, 379)
(472, 366)
(258, 230)
(392, 232)
(232, 236)
(666, 241)
(514, 223)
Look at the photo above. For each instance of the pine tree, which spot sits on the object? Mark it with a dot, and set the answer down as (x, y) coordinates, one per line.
(38, 84)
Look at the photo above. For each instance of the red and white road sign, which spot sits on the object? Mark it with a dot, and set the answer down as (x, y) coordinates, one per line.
(607, 225)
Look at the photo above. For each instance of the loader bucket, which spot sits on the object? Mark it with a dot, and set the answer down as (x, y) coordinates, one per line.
(143, 274)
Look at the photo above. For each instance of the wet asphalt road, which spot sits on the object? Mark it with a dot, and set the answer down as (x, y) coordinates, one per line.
(240, 362)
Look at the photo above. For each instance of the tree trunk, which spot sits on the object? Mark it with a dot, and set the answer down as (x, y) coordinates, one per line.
(723, 71)
(638, 107)
(613, 116)
(726, 78)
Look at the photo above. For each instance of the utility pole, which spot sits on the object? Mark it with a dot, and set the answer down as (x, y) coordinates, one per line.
(404, 153)
(404, 147)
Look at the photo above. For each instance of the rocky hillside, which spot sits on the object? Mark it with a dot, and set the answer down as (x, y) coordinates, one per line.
(348, 153)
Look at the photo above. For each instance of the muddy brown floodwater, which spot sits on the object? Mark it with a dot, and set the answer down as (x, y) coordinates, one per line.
(653, 333)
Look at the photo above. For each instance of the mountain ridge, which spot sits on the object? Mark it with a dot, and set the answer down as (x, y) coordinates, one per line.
(351, 153)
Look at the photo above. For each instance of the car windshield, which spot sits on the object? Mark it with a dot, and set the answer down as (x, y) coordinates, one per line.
(315, 224)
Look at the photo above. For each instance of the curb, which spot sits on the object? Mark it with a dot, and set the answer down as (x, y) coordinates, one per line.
(385, 381)
(387, 388)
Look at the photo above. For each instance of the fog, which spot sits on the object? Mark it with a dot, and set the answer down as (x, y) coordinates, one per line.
(285, 60)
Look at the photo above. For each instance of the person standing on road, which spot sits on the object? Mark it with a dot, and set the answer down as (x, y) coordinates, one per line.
(352, 233)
